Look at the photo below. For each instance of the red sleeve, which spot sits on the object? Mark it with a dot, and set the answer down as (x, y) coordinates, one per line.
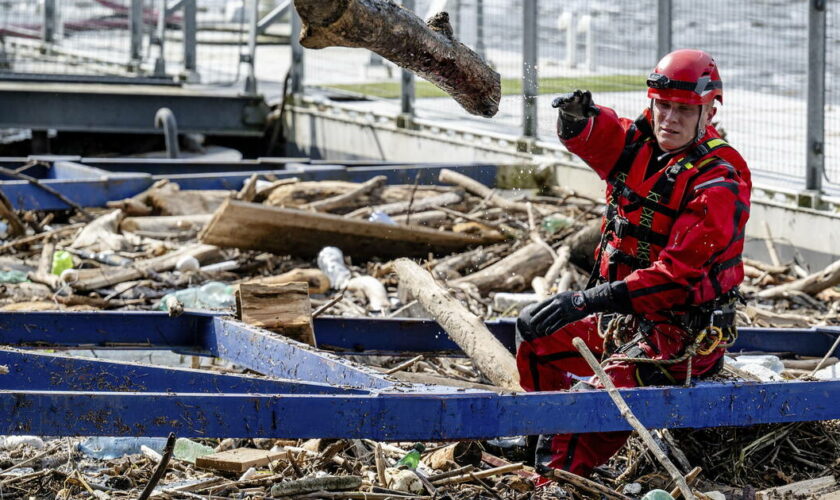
(601, 142)
(709, 230)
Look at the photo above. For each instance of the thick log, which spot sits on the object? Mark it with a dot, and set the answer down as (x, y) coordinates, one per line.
(513, 273)
(813, 284)
(253, 226)
(464, 328)
(343, 200)
(283, 309)
(397, 34)
(480, 190)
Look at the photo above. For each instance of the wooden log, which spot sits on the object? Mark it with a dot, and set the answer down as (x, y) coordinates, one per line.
(426, 218)
(171, 200)
(7, 211)
(454, 455)
(464, 328)
(397, 34)
(238, 460)
(253, 226)
(800, 489)
(91, 279)
(43, 274)
(812, 285)
(513, 273)
(343, 199)
(480, 190)
(166, 223)
(314, 278)
(582, 245)
(767, 268)
(40, 236)
(283, 309)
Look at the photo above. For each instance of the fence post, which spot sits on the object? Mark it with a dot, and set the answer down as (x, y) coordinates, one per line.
(664, 24)
(530, 85)
(135, 21)
(48, 33)
(480, 49)
(190, 30)
(406, 87)
(296, 70)
(254, 18)
(815, 155)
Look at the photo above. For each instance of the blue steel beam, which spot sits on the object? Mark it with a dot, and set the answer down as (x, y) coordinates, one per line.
(277, 356)
(411, 417)
(146, 330)
(33, 371)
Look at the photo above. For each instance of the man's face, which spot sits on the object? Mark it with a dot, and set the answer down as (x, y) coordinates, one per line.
(675, 124)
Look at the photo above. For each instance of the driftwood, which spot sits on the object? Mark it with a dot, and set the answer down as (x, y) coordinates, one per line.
(585, 484)
(7, 211)
(426, 218)
(343, 199)
(435, 201)
(468, 331)
(513, 273)
(802, 489)
(315, 278)
(283, 309)
(628, 415)
(315, 484)
(238, 459)
(480, 190)
(40, 236)
(43, 274)
(166, 223)
(397, 34)
(813, 284)
(256, 227)
(91, 279)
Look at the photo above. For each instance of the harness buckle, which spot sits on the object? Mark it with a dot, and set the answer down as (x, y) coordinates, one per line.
(620, 226)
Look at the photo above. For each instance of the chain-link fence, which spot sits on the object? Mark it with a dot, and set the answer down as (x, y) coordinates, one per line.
(832, 100)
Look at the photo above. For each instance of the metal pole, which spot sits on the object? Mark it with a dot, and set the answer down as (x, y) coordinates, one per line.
(296, 70)
(407, 83)
(664, 23)
(190, 30)
(251, 79)
(160, 40)
(530, 86)
(49, 21)
(273, 16)
(816, 95)
(479, 28)
(135, 21)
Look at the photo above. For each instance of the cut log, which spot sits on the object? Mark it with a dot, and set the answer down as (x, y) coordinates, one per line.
(238, 460)
(283, 309)
(513, 273)
(397, 34)
(253, 226)
(315, 278)
(464, 328)
(812, 285)
(166, 223)
(455, 455)
(480, 190)
(91, 279)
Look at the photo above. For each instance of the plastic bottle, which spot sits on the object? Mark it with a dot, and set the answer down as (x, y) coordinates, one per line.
(381, 217)
(13, 276)
(106, 448)
(61, 261)
(556, 222)
(331, 263)
(412, 458)
(657, 495)
(211, 295)
(188, 450)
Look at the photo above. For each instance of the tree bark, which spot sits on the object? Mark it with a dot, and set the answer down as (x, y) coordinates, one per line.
(813, 284)
(464, 328)
(513, 273)
(397, 34)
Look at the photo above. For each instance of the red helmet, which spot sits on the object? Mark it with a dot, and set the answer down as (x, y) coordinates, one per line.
(687, 76)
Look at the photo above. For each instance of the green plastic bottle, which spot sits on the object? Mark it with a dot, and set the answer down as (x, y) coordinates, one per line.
(62, 261)
(412, 458)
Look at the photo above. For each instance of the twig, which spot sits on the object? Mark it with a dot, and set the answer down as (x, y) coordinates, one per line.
(7, 211)
(37, 183)
(502, 228)
(771, 247)
(411, 198)
(628, 415)
(403, 366)
(36, 237)
(586, 484)
(689, 478)
(379, 457)
(342, 199)
(825, 358)
(161, 468)
(485, 487)
(480, 475)
(333, 301)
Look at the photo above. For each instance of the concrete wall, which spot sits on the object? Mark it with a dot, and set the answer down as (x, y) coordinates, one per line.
(336, 132)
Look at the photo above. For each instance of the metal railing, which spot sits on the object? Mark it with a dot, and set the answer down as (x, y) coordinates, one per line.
(780, 112)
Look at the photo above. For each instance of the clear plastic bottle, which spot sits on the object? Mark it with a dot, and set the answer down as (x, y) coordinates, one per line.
(188, 450)
(211, 295)
(13, 276)
(331, 263)
(106, 448)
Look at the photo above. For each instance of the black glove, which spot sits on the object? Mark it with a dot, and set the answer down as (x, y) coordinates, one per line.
(556, 312)
(574, 110)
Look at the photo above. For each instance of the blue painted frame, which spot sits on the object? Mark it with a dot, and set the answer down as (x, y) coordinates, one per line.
(311, 393)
